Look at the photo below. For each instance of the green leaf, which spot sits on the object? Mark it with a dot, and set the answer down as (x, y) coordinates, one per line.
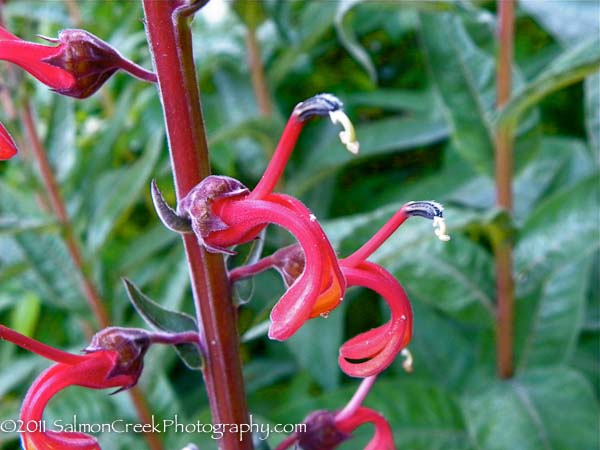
(569, 21)
(572, 66)
(251, 13)
(465, 77)
(117, 190)
(376, 138)
(549, 409)
(398, 100)
(349, 40)
(592, 113)
(316, 347)
(558, 318)
(450, 276)
(166, 320)
(562, 228)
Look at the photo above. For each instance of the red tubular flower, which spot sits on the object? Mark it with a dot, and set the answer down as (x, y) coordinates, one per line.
(8, 148)
(77, 66)
(223, 213)
(114, 359)
(377, 348)
(326, 430)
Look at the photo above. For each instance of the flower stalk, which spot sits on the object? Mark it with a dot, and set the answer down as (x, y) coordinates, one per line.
(170, 43)
(504, 148)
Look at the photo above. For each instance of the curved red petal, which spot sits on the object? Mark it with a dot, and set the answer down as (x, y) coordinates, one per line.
(92, 372)
(294, 307)
(8, 148)
(378, 346)
(383, 439)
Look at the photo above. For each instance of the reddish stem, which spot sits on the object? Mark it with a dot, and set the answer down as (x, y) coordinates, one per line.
(170, 42)
(504, 146)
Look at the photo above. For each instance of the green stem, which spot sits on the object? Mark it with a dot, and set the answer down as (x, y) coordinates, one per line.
(504, 146)
(170, 42)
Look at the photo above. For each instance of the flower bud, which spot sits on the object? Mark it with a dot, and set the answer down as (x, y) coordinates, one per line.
(91, 61)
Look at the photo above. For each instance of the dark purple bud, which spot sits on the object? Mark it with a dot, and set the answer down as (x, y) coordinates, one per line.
(131, 345)
(321, 432)
(91, 61)
(196, 206)
(319, 105)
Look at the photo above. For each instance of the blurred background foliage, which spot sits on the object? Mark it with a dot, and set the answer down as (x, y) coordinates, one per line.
(417, 78)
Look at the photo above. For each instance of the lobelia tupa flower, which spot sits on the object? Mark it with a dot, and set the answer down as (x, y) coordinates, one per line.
(377, 348)
(222, 213)
(114, 358)
(77, 66)
(326, 430)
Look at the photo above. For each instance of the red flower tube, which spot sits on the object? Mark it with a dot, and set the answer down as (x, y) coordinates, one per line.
(114, 359)
(77, 66)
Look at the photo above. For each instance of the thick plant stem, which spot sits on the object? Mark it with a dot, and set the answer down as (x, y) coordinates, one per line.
(504, 147)
(87, 285)
(171, 47)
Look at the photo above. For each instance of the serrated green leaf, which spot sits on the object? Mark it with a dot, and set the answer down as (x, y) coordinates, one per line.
(550, 409)
(166, 320)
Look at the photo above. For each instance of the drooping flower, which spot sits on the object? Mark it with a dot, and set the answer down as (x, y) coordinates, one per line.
(113, 359)
(370, 352)
(327, 430)
(77, 66)
(223, 213)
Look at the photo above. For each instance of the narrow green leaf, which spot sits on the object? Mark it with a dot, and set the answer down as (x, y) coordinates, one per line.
(572, 66)
(166, 320)
(465, 77)
(592, 113)
(251, 13)
(117, 190)
(376, 138)
(349, 40)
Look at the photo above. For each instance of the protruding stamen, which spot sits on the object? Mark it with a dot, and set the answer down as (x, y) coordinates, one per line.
(429, 210)
(167, 215)
(348, 135)
(439, 228)
(319, 105)
(407, 363)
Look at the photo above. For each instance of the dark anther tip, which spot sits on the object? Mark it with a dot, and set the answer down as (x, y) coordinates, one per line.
(426, 209)
(319, 105)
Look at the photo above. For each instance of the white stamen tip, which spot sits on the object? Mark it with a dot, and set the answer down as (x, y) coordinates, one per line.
(407, 364)
(348, 135)
(439, 228)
